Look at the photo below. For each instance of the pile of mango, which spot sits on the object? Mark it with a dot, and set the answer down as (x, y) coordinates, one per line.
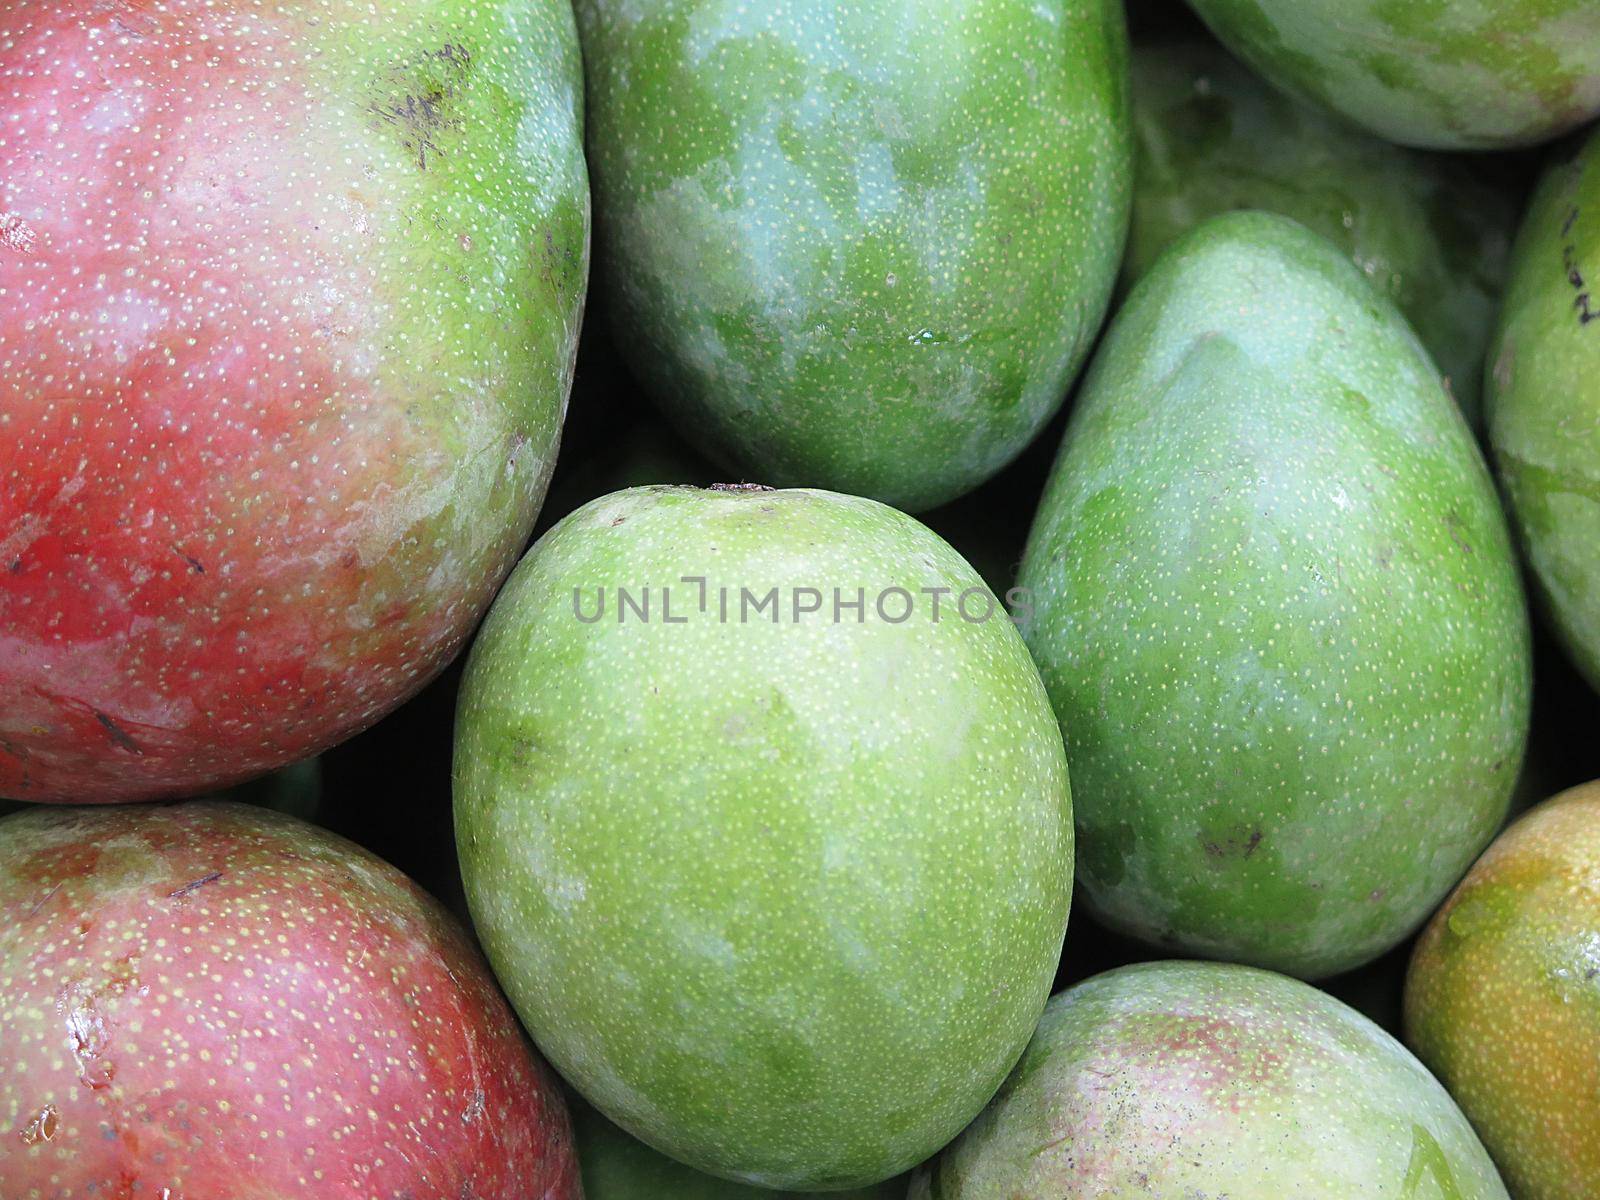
(1033, 633)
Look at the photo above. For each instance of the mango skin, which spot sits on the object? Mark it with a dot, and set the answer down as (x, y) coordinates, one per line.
(831, 264)
(783, 900)
(1211, 137)
(290, 295)
(1543, 400)
(618, 1167)
(1436, 74)
(1183, 1080)
(1503, 998)
(1277, 609)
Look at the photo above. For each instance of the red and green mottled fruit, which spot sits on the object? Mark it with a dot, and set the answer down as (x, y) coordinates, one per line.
(618, 1167)
(291, 294)
(1182, 1081)
(1212, 137)
(1543, 400)
(781, 890)
(1503, 1000)
(1443, 74)
(218, 1000)
(1277, 607)
(859, 246)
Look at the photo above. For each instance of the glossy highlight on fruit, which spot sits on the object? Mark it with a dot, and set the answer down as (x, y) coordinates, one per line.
(1441, 74)
(1277, 610)
(1180, 1080)
(1543, 400)
(289, 296)
(1212, 137)
(859, 246)
(216, 1000)
(780, 889)
(1503, 999)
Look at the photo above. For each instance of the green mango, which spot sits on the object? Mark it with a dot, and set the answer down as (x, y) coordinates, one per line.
(1275, 603)
(1186, 1081)
(781, 891)
(863, 246)
(1543, 400)
(1439, 74)
(1211, 138)
(618, 1167)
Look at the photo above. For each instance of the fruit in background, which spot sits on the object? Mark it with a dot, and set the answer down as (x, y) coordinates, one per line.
(1276, 606)
(1176, 1080)
(1503, 999)
(639, 449)
(295, 790)
(1211, 138)
(781, 895)
(218, 1000)
(1442, 75)
(1543, 400)
(618, 1167)
(1376, 989)
(832, 262)
(291, 300)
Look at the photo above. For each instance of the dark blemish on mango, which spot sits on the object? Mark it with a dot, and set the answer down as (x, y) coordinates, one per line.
(1242, 843)
(420, 103)
(194, 885)
(1582, 302)
(117, 733)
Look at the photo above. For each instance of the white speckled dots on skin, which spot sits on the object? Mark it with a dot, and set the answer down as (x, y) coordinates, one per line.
(1277, 610)
(859, 246)
(1213, 136)
(214, 1000)
(289, 297)
(1544, 399)
(1503, 997)
(1440, 76)
(1182, 1080)
(783, 898)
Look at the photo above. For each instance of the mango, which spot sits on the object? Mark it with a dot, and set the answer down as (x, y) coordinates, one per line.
(1439, 74)
(1503, 998)
(290, 295)
(1277, 609)
(863, 247)
(218, 1000)
(1543, 400)
(1183, 1080)
(777, 874)
(1212, 137)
